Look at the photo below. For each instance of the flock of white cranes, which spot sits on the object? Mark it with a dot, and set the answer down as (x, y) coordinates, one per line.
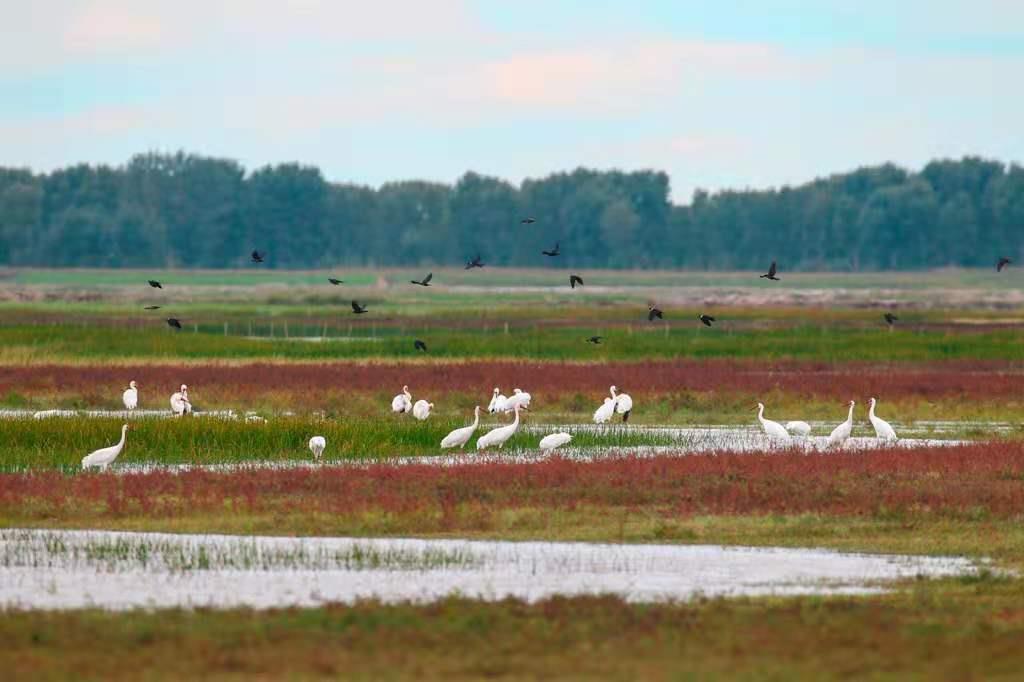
(839, 435)
(617, 403)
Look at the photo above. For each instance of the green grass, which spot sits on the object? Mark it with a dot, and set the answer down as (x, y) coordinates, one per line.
(62, 442)
(35, 344)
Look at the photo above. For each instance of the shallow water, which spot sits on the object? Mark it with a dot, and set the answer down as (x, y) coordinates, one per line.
(79, 569)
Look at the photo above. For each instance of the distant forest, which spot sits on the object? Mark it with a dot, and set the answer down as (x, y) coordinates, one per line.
(187, 211)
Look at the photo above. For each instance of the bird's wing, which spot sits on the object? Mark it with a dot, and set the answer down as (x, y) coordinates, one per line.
(650, 314)
(356, 307)
(772, 270)
(429, 276)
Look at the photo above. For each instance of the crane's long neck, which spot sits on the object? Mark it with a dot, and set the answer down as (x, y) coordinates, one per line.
(612, 391)
(760, 413)
(515, 422)
(871, 411)
(476, 417)
(849, 418)
(407, 394)
(124, 433)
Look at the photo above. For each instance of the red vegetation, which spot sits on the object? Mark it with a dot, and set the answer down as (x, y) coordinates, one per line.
(990, 379)
(986, 478)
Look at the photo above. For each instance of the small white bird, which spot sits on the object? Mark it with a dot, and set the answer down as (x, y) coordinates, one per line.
(773, 429)
(605, 412)
(421, 410)
(554, 440)
(499, 435)
(104, 457)
(799, 428)
(498, 402)
(402, 402)
(316, 446)
(623, 403)
(518, 397)
(843, 431)
(131, 396)
(179, 402)
(462, 435)
(882, 429)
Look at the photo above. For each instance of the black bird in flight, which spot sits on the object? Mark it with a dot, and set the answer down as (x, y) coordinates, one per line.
(425, 282)
(771, 273)
(595, 340)
(574, 280)
(419, 345)
(475, 263)
(334, 281)
(529, 220)
(890, 319)
(152, 307)
(155, 284)
(552, 252)
(257, 257)
(1003, 262)
(174, 322)
(358, 309)
(652, 313)
(706, 319)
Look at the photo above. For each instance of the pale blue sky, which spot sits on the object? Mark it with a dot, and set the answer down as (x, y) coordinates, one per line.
(718, 94)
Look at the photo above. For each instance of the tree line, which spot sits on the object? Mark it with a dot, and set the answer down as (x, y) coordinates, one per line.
(188, 211)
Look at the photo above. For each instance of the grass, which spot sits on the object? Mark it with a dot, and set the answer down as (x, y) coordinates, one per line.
(60, 443)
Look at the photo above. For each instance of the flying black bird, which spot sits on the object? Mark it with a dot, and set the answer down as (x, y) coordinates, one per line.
(529, 220)
(552, 252)
(174, 322)
(152, 307)
(652, 313)
(419, 345)
(574, 280)
(155, 284)
(595, 340)
(706, 319)
(334, 281)
(890, 319)
(425, 282)
(1003, 262)
(771, 273)
(257, 257)
(475, 263)
(358, 309)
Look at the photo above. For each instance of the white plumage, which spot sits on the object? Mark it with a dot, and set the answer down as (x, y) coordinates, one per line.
(882, 429)
(843, 431)
(131, 396)
(798, 428)
(179, 402)
(421, 410)
(462, 435)
(518, 397)
(499, 435)
(773, 429)
(103, 458)
(402, 402)
(554, 440)
(623, 403)
(317, 445)
(498, 401)
(605, 412)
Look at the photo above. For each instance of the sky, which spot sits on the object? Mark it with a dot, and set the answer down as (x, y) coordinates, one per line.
(726, 94)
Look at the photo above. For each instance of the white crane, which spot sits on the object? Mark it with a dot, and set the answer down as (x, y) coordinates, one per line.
(518, 397)
(799, 428)
(773, 429)
(499, 435)
(462, 435)
(316, 446)
(882, 429)
(104, 457)
(402, 402)
(130, 397)
(605, 412)
(179, 402)
(623, 403)
(498, 401)
(843, 431)
(421, 410)
(554, 440)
